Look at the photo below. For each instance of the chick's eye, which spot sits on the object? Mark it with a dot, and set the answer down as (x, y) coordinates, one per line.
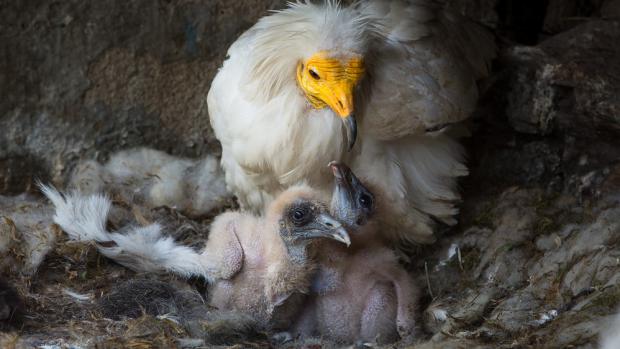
(365, 201)
(314, 74)
(299, 216)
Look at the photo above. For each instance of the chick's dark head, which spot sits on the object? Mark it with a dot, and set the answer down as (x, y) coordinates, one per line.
(352, 202)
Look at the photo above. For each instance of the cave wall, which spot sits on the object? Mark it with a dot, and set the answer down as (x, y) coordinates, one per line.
(80, 79)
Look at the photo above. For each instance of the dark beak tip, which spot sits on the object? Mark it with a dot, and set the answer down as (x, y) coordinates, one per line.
(351, 144)
(351, 128)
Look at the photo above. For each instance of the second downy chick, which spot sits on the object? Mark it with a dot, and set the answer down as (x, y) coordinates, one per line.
(362, 294)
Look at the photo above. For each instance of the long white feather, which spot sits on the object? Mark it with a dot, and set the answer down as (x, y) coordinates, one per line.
(144, 249)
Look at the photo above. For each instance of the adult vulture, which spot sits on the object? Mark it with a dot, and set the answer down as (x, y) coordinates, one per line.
(374, 85)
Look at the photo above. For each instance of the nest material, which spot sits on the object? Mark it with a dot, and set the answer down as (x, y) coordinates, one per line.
(11, 306)
(185, 307)
(137, 297)
(75, 297)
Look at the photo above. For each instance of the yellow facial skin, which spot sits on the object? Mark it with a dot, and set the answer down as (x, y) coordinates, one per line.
(330, 82)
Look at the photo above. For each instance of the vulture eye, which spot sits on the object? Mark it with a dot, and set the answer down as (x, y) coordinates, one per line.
(314, 74)
(365, 200)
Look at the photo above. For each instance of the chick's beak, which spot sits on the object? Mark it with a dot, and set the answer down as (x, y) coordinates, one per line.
(342, 176)
(340, 171)
(332, 229)
(348, 191)
(342, 196)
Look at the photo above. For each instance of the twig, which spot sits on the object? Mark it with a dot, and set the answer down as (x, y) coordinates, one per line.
(428, 281)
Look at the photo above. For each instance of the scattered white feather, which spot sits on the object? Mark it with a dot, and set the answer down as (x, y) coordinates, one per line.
(546, 317)
(453, 251)
(440, 315)
(77, 296)
(435, 316)
(83, 218)
(169, 317)
(492, 274)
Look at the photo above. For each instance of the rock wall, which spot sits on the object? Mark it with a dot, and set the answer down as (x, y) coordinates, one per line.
(83, 78)
(533, 262)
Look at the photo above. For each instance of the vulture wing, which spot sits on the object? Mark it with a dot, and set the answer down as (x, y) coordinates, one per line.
(422, 73)
(422, 68)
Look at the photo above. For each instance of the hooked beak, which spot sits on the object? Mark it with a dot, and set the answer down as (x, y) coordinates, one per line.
(330, 229)
(329, 81)
(350, 124)
(340, 100)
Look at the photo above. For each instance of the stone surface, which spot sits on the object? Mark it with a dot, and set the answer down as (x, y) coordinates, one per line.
(481, 11)
(80, 79)
(537, 256)
(562, 14)
(511, 291)
(568, 83)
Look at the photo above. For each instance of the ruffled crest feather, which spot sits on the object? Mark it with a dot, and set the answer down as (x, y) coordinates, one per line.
(302, 29)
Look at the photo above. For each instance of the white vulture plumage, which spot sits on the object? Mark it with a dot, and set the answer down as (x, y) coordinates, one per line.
(298, 87)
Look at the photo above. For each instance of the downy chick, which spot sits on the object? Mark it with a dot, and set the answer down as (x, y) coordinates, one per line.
(265, 264)
(256, 265)
(362, 294)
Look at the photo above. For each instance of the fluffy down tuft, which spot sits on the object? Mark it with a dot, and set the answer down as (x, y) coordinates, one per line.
(145, 249)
